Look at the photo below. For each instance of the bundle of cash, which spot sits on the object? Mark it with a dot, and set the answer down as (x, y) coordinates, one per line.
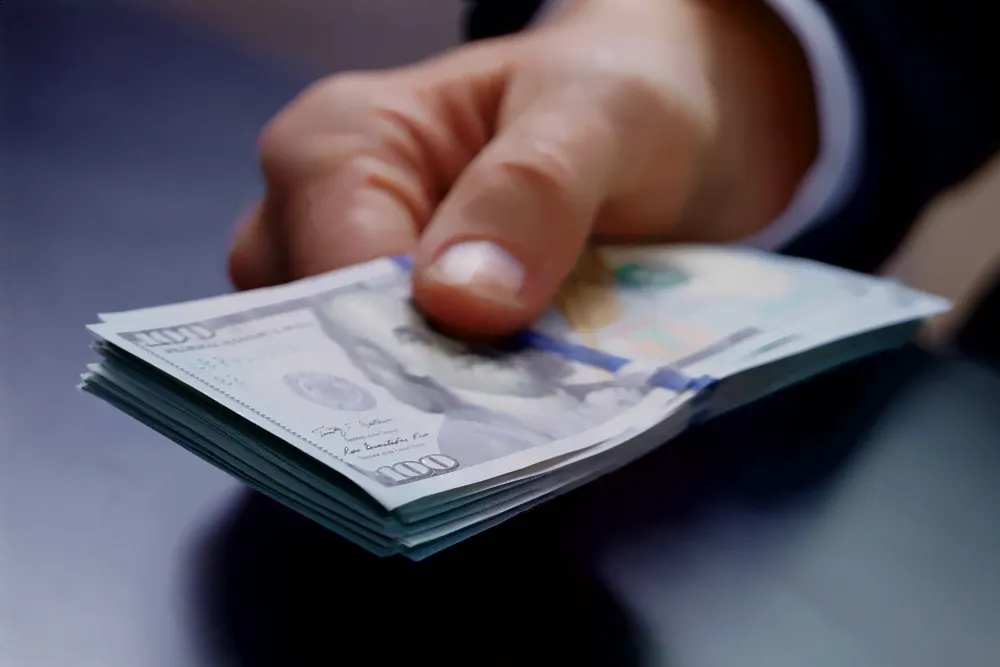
(333, 396)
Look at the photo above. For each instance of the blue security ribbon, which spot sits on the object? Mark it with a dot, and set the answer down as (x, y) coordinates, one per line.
(404, 262)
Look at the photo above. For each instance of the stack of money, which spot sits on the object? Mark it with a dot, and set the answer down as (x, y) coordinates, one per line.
(333, 396)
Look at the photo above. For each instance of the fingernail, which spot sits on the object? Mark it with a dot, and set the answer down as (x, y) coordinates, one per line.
(481, 267)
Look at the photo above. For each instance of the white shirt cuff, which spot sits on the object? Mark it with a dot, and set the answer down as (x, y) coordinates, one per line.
(832, 177)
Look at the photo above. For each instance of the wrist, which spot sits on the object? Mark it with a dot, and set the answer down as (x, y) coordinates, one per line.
(749, 90)
(766, 136)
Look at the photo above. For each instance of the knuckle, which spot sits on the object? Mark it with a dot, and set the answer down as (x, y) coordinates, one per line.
(369, 172)
(342, 88)
(638, 89)
(632, 91)
(667, 100)
(366, 170)
(301, 138)
(547, 172)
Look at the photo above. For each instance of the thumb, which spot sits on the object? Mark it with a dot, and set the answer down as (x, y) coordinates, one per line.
(518, 217)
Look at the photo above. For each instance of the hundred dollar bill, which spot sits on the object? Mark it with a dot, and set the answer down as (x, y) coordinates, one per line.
(333, 396)
(346, 371)
(716, 310)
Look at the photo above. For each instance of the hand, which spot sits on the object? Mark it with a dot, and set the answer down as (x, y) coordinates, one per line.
(494, 164)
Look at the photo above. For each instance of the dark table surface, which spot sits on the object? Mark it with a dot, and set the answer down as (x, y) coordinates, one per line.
(850, 522)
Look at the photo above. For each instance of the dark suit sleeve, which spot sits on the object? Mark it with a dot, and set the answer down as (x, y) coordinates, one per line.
(492, 18)
(931, 110)
(931, 107)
